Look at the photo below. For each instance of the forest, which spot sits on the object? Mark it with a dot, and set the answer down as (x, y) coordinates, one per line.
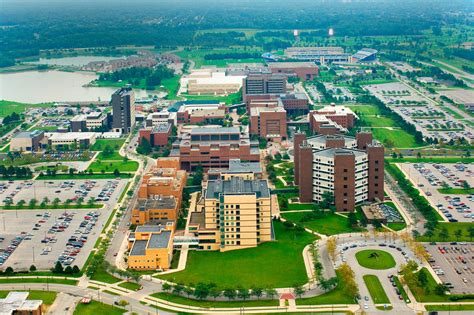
(30, 26)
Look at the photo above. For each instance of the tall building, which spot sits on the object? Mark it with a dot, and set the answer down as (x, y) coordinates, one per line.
(332, 119)
(231, 214)
(263, 83)
(268, 123)
(350, 169)
(214, 147)
(123, 110)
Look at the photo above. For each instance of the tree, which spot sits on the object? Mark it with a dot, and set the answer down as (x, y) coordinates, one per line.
(75, 269)
(243, 293)
(352, 219)
(201, 291)
(178, 288)
(214, 292)
(470, 232)
(68, 270)
(144, 147)
(298, 290)
(32, 268)
(123, 303)
(458, 234)
(198, 176)
(429, 234)
(324, 284)
(257, 292)
(441, 289)
(56, 202)
(116, 173)
(444, 234)
(331, 246)
(9, 271)
(33, 203)
(230, 293)
(58, 268)
(166, 287)
(422, 278)
(271, 293)
(188, 291)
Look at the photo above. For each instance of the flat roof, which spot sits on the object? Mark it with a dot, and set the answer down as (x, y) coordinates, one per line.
(148, 228)
(331, 152)
(198, 218)
(164, 202)
(206, 130)
(292, 64)
(70, 135)
(160, 240)
(139, 248)
(28, 134)
(255, 111)
(164, 127)
(237, 186)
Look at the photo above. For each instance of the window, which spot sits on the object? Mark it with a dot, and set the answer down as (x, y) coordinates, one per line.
(345, 178)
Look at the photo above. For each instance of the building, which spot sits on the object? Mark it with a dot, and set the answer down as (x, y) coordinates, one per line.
(321, 55)
(295, 104)
(68, 140)
(158, 118)
(201, 113)
(232, 214)
(17, 303)
(89, 122)
(350, 169)
(303, 70)
(332, 119)
(27, 141)
(151, 247)
(211, 82)
(160, 193)
(210, 147)
(123, 110)
(268, 123)
(246, 170)
(263, 83)
(365, 55)
(157, 136)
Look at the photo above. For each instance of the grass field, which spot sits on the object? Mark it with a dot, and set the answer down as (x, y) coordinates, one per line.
(378, 121)
(103, 276)
(376, 290)
(375, 259)
(230, 99)
(456, 191)
(450, 307)
(330, 224)
(113, 156)
(397, 226)
(197, 55)
(271, 264)
(110, 166)
(46, 296)
(38, 280)
(8, 107)
(130, 285)
(451, 227)
(336, 296)
(94, 308)
(100, 144)
(366, 109)
(399, 138)
(207, 304)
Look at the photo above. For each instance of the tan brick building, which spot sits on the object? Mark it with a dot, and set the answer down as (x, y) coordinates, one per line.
(268, 123)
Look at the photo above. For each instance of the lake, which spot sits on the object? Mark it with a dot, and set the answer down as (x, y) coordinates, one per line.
(77, 61)
(54, 86)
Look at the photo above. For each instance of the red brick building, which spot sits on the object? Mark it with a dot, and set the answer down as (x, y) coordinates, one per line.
(331, 120)
(303, 70)
(268, 123)
(214, 147)
(158, 135)
(201, 113)
(350, 169)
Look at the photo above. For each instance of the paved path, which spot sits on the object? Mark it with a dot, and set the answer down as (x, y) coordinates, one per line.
(64, 304)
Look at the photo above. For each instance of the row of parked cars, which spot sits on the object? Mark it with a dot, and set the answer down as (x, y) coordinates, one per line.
(7, 252)
(18, 188)
(78, 239)
(446, 172)
(107, 190)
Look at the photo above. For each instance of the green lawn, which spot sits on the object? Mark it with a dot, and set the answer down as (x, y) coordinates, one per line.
(376, 290)
(456, 191)
(375, 259)
(130, 285)
(9, 107)
(103, 276)
(46, 296)
(110, 166)
(207, 304)
(336, 296)
(299, 206)
(454, 113)
(450, 307)
(38, 280)
(400, 287)
(399, 138)
(95, 308)
(233, 98)
(114, 156)
(330, 224)
(451, 227)
(111, 292)
(100, 144)
(365, 109)
(271, 264)
(397, 226)
(427, 294)
(378, 121)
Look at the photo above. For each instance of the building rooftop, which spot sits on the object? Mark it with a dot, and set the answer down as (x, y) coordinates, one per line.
(299, 96)
(295, 64)
(59, 136)
(138, 248)
(161, 202)
(214, 130)
(28, 134)
(148, 228)
(255, 111)
(159, 240)
(237, 186)
(320, 140)
(331, 152)
(124, 91)
(198, 218)
(16, 302)
(159, 128)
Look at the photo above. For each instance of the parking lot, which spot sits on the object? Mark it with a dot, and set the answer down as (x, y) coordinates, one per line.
(42, 237)
(454, 265)
(430, 177)
(62, 189)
